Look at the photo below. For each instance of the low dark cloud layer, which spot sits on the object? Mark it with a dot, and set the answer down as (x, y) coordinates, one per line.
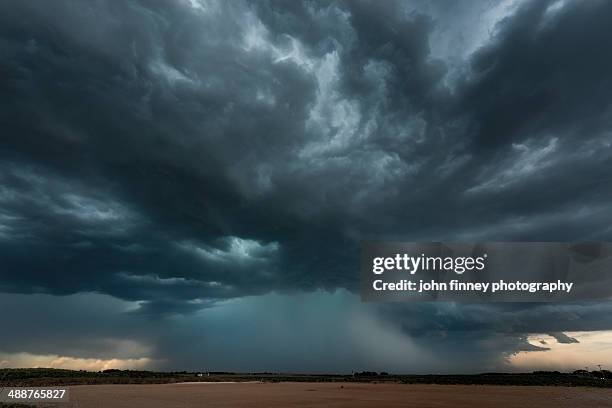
(181, 154)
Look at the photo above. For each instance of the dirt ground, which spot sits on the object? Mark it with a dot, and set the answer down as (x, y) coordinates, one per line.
(340, 395)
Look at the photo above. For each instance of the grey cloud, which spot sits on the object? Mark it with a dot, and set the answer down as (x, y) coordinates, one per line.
(257, 126)
(563, 338)
(304, 332)
(177, 156)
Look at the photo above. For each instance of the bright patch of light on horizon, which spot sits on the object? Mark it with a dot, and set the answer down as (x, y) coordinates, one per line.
(593, 348)
(27, 360)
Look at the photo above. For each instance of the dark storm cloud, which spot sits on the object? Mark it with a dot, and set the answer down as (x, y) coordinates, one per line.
(563, 338)
(501, 318)
(311, 332)
(485, 335)
(181, 153)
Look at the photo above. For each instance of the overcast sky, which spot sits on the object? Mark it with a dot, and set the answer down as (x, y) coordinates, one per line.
(184, 184)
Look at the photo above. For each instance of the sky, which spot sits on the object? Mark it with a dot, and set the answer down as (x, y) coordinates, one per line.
(184, 184)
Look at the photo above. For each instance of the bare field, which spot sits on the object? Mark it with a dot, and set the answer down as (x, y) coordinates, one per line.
(340, 395)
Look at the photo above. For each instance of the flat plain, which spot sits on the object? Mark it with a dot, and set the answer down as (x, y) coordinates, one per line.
(335, 395)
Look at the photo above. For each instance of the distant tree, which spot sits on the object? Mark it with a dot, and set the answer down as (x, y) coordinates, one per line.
(366, 374)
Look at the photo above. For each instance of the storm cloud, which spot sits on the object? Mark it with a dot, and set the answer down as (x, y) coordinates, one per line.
(180, 156)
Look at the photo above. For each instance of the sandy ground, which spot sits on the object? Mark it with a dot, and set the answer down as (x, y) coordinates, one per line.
(353, 395)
